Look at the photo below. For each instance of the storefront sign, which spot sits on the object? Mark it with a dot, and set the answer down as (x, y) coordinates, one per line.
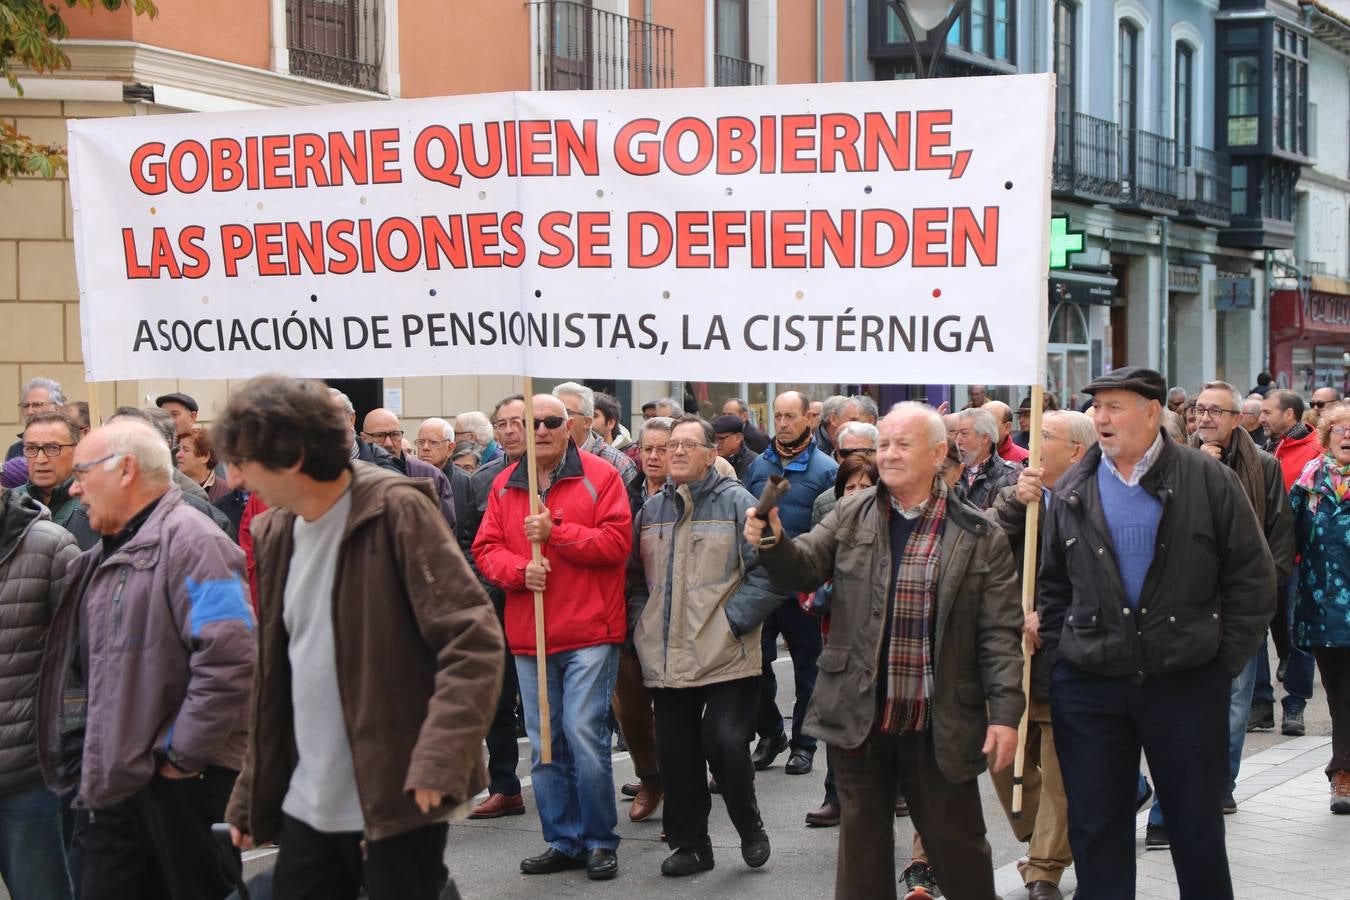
(1185, 279)
(1234, 293)
(838, 232)
(1320, 310)
(1086, 288)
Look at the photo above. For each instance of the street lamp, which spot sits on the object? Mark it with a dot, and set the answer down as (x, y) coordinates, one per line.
(935, 19)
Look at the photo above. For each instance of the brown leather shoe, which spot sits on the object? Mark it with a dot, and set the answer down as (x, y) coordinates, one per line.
(498, 805)
(645, 803)
(825, 817)
(1043, 890)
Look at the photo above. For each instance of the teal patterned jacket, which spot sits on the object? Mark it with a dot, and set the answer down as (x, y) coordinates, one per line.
(1322, 530)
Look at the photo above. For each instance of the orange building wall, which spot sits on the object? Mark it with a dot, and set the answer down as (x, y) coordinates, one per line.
(463, 46)
(687, 18)
(796, 41)
(238, 31)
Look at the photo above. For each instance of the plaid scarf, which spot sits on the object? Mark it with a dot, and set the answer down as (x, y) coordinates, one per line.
(909, 664)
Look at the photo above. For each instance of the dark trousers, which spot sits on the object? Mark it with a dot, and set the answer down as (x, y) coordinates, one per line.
(157, 845)
(802, 634)
(1334, 663)
(503, 751)
(320, 865)
(1298, 676)
(948, 814)
(705, 728)
(1180, 720)
(633, 711)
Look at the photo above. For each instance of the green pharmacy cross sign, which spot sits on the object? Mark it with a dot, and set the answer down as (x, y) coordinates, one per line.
(1063, 242)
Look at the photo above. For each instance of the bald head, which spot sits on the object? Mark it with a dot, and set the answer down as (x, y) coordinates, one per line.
(1003, 415)
(382, 427)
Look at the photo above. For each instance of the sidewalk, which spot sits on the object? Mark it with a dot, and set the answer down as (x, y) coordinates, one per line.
(1282, 841)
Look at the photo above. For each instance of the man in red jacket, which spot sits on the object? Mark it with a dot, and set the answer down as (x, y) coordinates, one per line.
(584, 529)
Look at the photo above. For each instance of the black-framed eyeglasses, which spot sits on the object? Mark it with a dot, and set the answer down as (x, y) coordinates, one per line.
(845, 454)
(383, 435)
(53, 449)
(1215, 411)
(82, 469)
(503, 424)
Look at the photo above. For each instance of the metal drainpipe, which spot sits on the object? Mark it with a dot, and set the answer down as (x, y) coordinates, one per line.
(1164, 309)
(1164, 313)
(820, 41)
(850, 63)
(647, 42)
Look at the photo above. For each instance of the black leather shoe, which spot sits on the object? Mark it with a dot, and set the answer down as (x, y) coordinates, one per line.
(799, 763)
(688, 861)
(755, 849)
(549, 862)
(602, 865)
(767, 750)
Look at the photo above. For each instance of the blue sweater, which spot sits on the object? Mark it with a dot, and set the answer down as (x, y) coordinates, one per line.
(1132, 514)
(808, 473)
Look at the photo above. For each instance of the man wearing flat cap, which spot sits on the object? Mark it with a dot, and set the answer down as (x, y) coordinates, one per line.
(1156, 588)
(182, 409)
(730, 431)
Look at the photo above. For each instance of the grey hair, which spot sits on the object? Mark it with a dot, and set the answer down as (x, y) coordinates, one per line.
(833, 405)
(135, 437)
(344, 400)
(1174, 392)
(53, 389)
(1249, 403)
(581, 392)
(867, 405)
(447, 430)
(468, 448)
(156, 418)
(864, 430)
(1080, 425)
(656, 423)
(676, 407)
(937, 430)
(984, 423)
(476, 422)
(1224, 386)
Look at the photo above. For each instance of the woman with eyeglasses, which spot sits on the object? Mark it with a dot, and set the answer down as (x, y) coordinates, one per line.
(1321, 506)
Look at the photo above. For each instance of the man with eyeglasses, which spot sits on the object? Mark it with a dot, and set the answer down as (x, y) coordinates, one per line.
(1217, 410)
(49, 441)
(584, 532)
(853, 439)
(435, 444)
(731, 443)
(382, 428)
(40, 395)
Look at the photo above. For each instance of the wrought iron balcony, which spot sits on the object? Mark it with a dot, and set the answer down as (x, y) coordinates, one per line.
(335, 40)
(1204, 184)
(728, 71)
(1148, 172)
(1087, 158)
(578, 47)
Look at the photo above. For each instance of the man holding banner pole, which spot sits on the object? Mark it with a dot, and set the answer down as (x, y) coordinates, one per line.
(584, 533)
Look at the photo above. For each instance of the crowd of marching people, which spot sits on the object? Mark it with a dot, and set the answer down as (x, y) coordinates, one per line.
(189, 637)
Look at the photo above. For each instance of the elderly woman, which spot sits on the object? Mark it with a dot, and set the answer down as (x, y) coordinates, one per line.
(1321, 616)
(196, 457)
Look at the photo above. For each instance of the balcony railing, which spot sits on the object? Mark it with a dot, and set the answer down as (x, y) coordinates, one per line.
(335, 40)
(728, 71)
(582, 48)
(1148, 172)
(1087, 158)
(1204, 186)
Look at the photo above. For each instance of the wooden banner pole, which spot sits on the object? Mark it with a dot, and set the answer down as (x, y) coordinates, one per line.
(541, 655)
(95, 413)
(1029, 543)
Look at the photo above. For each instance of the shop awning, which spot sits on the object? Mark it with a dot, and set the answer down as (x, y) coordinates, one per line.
(1076, 286)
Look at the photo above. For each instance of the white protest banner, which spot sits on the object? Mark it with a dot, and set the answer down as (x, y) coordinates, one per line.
(865, 232)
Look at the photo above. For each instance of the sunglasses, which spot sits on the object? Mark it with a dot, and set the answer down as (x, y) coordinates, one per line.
(845, 454)
(550, 422)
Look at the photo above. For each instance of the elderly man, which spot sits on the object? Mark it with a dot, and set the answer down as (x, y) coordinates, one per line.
(1322, 398)
(855, 438)
(731, 445)
(182, 409)
(1176, 399)
(711, 601)
(354, 780)
(474, 426)
(435, 444)
(1251, 421)
(794, 456)
(1294, 445)
(1005, 448)
(34, 554)
(382, 428)
(869, 412)
(1146, 646)
(755, 439)
(1218, 435)
(155, 620)
(1066, 437)
(579, 402)
(979, 396)
(39, 395)
(921, 680)
(836, 411)
(581, 574)
(986, 473)
(49, 441)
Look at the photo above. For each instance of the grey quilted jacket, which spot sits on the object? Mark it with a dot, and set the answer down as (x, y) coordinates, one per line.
(34, 552)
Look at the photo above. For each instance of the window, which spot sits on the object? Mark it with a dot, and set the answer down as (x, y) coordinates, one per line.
(1066, 56)
(732, 33)
(1239, 193)
(1003, 30)
(1181, 103)
(1244, 101)
(986, 28)
(335, 40)
(1127, 107)
(1290, 113)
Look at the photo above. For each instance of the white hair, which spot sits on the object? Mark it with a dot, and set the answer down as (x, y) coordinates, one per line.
(138, 439)
(581, 392)
(833, 405)
(937, 430)
(655, 423)
(344, 400)
(863, 430)
(983, 422)
(447, 430)
(866, 405)
(1226, 388)
(1080, 425)
(477, 423)
(53, 390)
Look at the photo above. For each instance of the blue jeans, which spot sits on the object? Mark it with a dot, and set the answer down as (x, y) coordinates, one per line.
(32, 850)
(1239, 707)
(575, 792)
(1299, 664)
